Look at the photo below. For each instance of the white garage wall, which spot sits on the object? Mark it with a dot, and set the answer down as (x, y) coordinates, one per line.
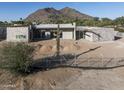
(17, 34)
(67, 35)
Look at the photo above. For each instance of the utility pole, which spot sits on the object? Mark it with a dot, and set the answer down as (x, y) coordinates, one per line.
(58, 41)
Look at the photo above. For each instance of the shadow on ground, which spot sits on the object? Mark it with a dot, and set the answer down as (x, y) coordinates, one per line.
(64, 60)
(67, 60)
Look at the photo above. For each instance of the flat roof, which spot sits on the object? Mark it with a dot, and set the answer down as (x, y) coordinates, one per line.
(82, 28)
(53, 26)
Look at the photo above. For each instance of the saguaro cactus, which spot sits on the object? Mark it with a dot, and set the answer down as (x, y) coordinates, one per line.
(58, 41)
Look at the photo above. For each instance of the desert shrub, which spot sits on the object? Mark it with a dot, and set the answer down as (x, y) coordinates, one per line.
(17, 57)
(119, 29)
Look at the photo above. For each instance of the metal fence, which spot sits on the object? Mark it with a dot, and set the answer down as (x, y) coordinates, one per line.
(73, 61)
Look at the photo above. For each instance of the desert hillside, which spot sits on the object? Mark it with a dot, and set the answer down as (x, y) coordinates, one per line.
(42, 15)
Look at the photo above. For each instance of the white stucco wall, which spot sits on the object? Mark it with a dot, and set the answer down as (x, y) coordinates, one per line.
(89, 36)
(99, 33)
(17, 34)
(106, 34)
(67, 35)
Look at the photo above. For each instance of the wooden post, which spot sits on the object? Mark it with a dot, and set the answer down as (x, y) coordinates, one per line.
(74, 31)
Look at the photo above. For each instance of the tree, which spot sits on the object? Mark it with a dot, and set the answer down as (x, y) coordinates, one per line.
(55, 18)
(20, 21)
(105, 22)
(106, 19)
(1, 22)
(119, 21)
(96, 18)
(4, 24)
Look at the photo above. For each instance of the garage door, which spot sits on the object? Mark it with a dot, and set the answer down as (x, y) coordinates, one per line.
(67, 35)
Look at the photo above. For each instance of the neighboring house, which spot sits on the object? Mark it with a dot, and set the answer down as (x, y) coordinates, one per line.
(67, 31)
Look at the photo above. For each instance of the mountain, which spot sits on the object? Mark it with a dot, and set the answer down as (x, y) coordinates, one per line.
(74, 13)
(42, 15)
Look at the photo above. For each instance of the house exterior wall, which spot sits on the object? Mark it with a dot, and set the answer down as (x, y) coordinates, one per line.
(105, 34)
(68, 30)
(99, 33)
(17, 34)
(119, 34)
(67, 35)
(21, 34)
(89, 36)
(96, 38)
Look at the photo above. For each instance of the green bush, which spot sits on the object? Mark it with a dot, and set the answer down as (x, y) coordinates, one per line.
(119, 29)
(17, 57)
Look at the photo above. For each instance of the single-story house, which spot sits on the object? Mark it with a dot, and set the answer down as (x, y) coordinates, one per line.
(67, 31)
(47, 31)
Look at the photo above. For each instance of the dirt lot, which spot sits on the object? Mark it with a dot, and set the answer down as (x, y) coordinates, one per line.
(71, 78)
(106, 49)
(66, 78)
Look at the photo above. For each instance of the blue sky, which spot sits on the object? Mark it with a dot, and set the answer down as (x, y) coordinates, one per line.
(14, 11)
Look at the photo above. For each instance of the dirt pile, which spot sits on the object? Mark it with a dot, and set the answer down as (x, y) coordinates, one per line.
(45, 48)
(50, 47)
(71, 47)
(54, 48)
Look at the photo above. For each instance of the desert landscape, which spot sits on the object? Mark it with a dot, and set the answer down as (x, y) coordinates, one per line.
(69, 77)
(61, 46)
